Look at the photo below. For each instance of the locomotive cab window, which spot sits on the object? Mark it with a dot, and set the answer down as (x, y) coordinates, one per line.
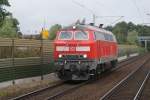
(81, 35)
(99, 36)
(65, 35)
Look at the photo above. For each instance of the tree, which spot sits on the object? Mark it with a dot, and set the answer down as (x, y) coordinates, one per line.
(143, 30)
(3, 12)
(53, 30)
(121, 31)
(10, 28)
(109, 28)
(132, 37)
(128, 33)
(131, 26)
(8, 25)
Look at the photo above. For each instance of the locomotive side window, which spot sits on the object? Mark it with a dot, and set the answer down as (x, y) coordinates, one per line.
(103, 36)
(99, 36)
(108, 37)
(111, 38)
(81, 35)
(65, 35)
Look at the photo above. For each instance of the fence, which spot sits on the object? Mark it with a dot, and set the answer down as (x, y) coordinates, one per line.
(21, 58)
(25, 58)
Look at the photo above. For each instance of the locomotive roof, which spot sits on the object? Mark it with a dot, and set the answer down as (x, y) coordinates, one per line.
(87, 27)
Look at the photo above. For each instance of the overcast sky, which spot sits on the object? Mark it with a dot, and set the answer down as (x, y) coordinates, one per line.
(33, 13)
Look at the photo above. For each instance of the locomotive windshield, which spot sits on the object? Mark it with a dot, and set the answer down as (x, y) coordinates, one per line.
(81, 35)
(65, 35)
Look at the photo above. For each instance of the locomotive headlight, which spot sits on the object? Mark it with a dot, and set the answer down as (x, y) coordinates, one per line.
(60, 56)
(74, 27)
(84, 56)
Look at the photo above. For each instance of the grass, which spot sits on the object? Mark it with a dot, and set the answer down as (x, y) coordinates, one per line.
(129, 49)
(3, 93)
(19, 89)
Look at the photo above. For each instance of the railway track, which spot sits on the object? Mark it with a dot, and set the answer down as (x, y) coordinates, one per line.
(129, 60)
(97, 88)
(130, 88)
(51, 93)
(123, 63)
(61, 93)
(143, 92)
(37, 92)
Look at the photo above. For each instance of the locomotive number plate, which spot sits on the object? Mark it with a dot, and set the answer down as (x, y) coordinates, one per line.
(72, 48)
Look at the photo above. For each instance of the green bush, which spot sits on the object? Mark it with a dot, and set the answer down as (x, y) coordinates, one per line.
(129, 49)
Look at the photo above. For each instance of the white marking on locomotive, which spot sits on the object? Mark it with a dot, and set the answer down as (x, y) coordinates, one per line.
(62, 48)
(83, 48)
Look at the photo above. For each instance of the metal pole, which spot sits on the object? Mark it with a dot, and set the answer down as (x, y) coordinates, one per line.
(13, 61)
(94, 19)
(41, 50)
(146, 45)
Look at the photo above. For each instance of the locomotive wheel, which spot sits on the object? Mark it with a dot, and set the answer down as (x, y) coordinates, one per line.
(113, 63)
(103, 67)
(93, 74)
(98, 71)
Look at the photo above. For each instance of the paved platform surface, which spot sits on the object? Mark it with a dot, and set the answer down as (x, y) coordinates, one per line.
(50, 77)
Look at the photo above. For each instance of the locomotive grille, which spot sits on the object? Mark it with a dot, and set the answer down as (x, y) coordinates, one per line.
(73, 57)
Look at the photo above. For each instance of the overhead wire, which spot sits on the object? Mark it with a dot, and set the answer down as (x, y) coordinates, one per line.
(116, 20)
(138, 10)
(95, 16)
(110, 22)
(83, 6)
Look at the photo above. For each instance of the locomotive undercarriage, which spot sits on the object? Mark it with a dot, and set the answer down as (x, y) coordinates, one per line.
(74, 70)
(79, 70)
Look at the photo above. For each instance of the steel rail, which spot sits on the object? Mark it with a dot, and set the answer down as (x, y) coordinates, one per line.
(66, 91)
(130, 59)
(110, 92)
(137, 96)
(127, 61)
(36, 92)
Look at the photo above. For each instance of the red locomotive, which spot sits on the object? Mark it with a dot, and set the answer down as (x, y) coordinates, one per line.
(82, 51)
